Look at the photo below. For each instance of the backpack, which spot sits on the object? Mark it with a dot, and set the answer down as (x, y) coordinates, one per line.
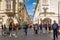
(54, 26)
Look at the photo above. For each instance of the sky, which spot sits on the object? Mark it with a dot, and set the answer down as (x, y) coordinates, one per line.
(30, 5)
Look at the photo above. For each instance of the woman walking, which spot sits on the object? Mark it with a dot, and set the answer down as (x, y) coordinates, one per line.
(36, 28)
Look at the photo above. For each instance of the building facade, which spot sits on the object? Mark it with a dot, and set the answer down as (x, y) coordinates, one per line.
(46, 10)
(23, 14)
(13, 10)
(8, 9)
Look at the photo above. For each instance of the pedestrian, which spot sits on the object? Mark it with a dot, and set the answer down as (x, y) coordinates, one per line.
(2, 29)
(10, 29)
(43, 28)
(5, 27)
(15, 29)
(40, 26)
(25, 26)
(49, 27)
(36, 28)
(55, 28)
(45, 25)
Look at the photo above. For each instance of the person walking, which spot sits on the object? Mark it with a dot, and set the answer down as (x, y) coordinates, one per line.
(55, 28)
(2, 29)
(25, 27)
(40, 26)
(49, 27)
(10, 29)
(43, 28)
(45, 25)
(36, 28)
(15, 29)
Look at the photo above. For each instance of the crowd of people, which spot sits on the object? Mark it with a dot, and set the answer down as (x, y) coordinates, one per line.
(43, 27)
(8, 30)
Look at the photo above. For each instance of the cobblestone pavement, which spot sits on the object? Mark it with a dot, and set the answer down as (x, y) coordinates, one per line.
(30, 36)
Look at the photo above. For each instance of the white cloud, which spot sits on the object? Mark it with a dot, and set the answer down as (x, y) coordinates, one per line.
(21, 1)
(34, 3)
(30, 13)
(32, 9)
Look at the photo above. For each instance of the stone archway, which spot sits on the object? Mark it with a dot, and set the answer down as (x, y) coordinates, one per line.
(47, 20)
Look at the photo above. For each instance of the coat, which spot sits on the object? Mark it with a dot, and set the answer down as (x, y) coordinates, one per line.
(56, 26)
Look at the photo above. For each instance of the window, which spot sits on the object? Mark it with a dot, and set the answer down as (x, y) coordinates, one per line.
(8, 5)
(0, 4)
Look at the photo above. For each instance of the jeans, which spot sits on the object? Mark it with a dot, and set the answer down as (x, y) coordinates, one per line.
(55, 34)
(26, 31)
(36, 31)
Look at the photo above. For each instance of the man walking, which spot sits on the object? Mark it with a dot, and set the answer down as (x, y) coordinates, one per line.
(40, 26)
(25, 27)
(55, 27)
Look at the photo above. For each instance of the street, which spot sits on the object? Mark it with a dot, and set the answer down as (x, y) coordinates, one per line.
(30, 36)
(39, 14)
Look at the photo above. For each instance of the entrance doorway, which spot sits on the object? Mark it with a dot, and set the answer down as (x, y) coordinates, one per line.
(47, 20)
